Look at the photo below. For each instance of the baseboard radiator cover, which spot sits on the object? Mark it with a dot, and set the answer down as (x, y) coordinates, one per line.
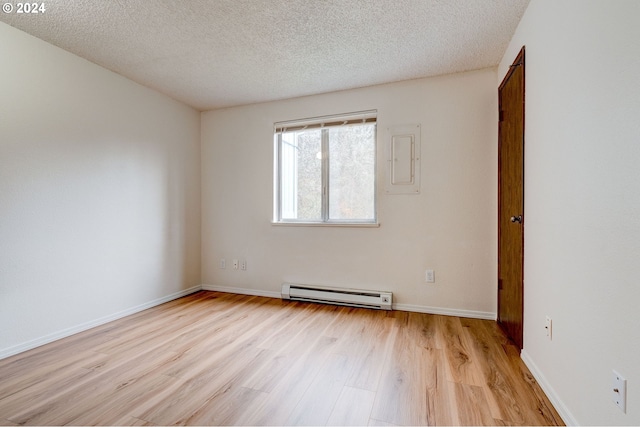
(340, 296)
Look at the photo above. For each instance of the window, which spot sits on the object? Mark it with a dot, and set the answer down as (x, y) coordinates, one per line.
(325, 170)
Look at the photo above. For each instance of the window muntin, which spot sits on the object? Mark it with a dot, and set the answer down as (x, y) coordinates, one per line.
(325, 171)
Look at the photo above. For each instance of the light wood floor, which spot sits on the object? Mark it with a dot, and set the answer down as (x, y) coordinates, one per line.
(217, 359)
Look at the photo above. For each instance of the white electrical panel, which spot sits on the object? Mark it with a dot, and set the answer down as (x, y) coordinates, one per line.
(403, 160)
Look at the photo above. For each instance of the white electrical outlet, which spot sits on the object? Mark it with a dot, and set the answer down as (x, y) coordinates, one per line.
(223, 263)
(547, 326)
(430, 276)
(619, 391)
(235, 264)
(243, 264)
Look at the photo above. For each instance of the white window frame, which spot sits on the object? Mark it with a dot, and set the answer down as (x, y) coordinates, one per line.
(323, 123)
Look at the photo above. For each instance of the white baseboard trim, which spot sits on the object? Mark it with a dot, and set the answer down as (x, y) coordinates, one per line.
(16, 349)
(557, 403)
(10, 351)
(402, 307)
(484, 315)
(241, 291)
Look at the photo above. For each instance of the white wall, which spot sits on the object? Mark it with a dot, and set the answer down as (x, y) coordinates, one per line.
(450, 226)
(99, 193)
(582, 202)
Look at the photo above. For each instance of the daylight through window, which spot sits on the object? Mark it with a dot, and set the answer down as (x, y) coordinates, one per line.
(325, 169)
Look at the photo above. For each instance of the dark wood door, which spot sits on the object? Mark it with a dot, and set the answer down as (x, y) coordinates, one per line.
(511, 200)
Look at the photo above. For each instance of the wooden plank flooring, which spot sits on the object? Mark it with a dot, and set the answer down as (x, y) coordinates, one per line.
(223, 359)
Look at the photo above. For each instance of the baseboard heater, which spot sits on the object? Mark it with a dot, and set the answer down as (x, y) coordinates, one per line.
(339, 296)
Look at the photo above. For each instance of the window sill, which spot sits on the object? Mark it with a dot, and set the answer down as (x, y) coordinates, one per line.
(327, 224)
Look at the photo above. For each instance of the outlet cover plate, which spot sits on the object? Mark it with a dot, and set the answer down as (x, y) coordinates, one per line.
(619, 391)
(430, 276)
(548, 327)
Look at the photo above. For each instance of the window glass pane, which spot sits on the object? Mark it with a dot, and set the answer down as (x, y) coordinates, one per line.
(352, 172)
(301, 175)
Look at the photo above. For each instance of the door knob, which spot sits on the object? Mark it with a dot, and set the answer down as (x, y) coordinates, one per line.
(517, 219)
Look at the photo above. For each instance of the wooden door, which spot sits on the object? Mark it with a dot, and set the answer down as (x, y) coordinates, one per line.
(511, 200)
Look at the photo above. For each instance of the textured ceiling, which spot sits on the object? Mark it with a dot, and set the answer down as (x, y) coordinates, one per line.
(219, 53)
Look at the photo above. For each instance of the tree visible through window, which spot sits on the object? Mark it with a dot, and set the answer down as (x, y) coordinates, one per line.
(325, 171)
